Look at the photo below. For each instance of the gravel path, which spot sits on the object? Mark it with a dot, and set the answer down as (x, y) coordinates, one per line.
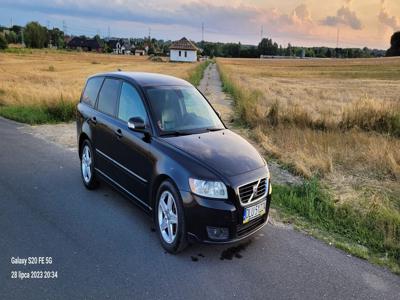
(211, 87)
(63, 134)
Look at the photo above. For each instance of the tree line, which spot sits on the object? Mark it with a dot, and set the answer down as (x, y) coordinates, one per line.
(269, 48)
(33, 35)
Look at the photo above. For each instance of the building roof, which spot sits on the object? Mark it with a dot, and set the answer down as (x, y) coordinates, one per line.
(112, 43)
(183, 44)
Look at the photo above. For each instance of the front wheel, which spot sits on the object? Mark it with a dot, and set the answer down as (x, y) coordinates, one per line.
(169, 218)
(87, 166)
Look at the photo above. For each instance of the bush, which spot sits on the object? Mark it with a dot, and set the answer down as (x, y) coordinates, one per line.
(3, 43)
(60, 111)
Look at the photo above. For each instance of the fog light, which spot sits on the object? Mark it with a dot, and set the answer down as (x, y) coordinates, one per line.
(218, 233)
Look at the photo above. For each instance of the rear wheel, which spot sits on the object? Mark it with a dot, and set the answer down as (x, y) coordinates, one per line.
(170, 219)
(87, 166)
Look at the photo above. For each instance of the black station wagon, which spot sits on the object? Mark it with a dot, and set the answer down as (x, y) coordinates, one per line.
(157, 140)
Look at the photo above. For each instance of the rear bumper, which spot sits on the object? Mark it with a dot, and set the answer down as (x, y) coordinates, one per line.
(202, 212)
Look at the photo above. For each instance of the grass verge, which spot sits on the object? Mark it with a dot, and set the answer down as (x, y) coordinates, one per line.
(196, 76)
(60, 111)
(369, 226)
(371, 233)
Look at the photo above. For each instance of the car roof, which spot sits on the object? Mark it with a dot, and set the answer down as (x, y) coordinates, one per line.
(147, 79)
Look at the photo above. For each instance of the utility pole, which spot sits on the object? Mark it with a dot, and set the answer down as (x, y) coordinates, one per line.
(11, 22)
(202, 32)
(337, 38)
(262, 32)
(108, 32)
(22, 37)
(64, 24)
(48, 28)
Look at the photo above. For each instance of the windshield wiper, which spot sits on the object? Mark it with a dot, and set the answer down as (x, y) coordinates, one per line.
(214, 129)
(175, 133)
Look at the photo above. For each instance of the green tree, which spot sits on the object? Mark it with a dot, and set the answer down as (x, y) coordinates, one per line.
(56, 37)
(394, 49)
(3, 42)
(12, 37)
(268, 47)
(289, 50)
(35, 35)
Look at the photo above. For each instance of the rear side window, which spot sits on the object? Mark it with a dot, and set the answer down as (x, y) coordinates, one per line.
(108, 96)
(92, 88)
(130, 104)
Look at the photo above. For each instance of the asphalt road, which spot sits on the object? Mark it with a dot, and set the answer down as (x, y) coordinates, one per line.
(102, 245)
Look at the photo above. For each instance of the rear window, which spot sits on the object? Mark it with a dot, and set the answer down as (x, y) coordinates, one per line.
(108, 96)
(91, 90)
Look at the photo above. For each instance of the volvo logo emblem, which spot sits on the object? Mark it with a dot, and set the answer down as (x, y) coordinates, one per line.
(254, 189)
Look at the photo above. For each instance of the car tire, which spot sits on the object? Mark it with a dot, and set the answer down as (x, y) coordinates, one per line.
(169, 216)
(88, 173)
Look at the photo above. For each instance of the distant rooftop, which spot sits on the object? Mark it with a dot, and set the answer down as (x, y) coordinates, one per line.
(183, 44)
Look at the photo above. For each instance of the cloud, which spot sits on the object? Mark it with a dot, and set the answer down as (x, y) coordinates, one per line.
(344, 16)
(299, 16)
(385, 18)
(229, 19)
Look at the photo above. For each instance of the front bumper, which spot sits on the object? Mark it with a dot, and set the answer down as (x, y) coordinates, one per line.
(202, 212)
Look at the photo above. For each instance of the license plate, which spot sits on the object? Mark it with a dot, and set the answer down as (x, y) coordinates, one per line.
(253, 212)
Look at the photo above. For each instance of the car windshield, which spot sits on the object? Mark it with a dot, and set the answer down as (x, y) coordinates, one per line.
(182, 110)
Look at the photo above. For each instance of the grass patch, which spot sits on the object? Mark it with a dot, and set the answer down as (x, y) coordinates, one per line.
(197, 74)
(40, 114)
(371, 232)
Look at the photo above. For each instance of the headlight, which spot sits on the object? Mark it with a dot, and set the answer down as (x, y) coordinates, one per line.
(211, 189)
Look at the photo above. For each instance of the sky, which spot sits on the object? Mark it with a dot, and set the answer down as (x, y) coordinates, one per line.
(357, 23)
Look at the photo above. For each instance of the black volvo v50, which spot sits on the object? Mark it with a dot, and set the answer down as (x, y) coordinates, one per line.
(157, 140)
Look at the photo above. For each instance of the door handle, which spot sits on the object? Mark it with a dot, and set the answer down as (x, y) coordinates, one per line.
(118, 133)
(93, 120)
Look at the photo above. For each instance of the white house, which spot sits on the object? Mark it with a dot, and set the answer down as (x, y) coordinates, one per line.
(121, 46)
(183, 50)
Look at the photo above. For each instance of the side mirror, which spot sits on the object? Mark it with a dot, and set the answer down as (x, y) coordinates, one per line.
(137, 124)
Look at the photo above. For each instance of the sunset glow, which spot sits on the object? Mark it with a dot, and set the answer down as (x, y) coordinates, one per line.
(348, 23)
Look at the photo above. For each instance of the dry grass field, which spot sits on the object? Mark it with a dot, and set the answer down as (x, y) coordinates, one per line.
(324, 116)
(336, 120)
(39, 77)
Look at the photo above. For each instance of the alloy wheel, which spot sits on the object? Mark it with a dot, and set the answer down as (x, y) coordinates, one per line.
(168, 217)
(86, 164)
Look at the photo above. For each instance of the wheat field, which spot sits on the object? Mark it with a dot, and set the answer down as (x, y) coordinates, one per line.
(335, 119)
(44, 77)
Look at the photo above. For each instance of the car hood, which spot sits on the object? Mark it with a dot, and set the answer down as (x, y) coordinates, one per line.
(224, 151)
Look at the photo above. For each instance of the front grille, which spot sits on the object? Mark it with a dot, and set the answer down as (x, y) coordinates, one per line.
(252, 191)
(249, 227)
